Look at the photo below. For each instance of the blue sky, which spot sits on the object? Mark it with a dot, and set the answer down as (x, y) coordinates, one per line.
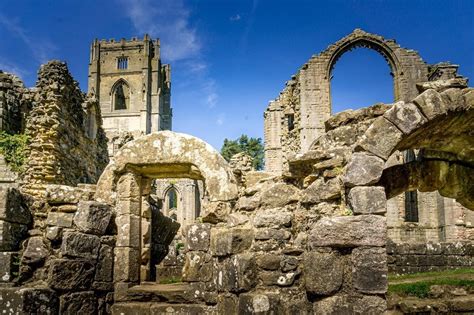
(229, 57)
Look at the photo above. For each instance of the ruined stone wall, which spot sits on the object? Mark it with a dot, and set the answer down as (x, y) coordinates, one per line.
(65, 262)
(307, 95)
(406, 258)
(15, 103)
(68, 145)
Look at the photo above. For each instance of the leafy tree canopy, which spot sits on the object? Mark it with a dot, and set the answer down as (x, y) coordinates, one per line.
(251, 146)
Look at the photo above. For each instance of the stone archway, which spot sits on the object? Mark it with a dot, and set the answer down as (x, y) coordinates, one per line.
(126, 184)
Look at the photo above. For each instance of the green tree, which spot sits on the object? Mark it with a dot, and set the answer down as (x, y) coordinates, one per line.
(251, 146)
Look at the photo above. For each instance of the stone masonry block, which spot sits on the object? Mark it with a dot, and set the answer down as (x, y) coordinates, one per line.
(349, 231)
(8, 266)
(80, 245)
(128, 231)
(323, 272)
(92, 217)
(11, 234)
(406, 116)
(259, 303)
(431, 104)
(197, 267)
(70, 275)
(60, 219)
(381, 138)
(28, 301)
(126, 264)
(369, 270)
(12, 208)
(230, 241)
(363, 169)
(368, 200)
(128, 186)
(127, 207)
(105, 264)
(197, 236)
(78, 303)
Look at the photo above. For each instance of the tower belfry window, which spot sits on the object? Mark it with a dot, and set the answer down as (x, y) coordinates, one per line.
(122, 63)
(121, 96)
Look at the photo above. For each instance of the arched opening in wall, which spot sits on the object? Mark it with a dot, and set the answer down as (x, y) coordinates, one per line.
(360, 78)
(172, 198)
(121, 95)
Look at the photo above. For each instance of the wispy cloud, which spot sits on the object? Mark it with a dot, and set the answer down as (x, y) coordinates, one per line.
(168, 20)
(235, 18)
(41, 49)
(250, 22)
(13, 68)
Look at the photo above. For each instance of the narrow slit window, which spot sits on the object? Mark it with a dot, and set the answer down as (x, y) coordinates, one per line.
(122, 63)
(290, 119)
(411, 197)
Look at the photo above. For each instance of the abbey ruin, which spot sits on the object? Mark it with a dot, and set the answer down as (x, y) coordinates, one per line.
(114, 213)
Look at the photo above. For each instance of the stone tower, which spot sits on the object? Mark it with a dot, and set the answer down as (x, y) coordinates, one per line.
(132, 85)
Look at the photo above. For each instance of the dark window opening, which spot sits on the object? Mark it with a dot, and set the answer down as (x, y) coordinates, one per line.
(122, 63)
(121, 96)
(411, 197)
(411, 206)
(172, 199)
(290, 119)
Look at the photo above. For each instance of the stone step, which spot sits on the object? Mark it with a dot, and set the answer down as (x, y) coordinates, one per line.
(147, 308)
(155, 292)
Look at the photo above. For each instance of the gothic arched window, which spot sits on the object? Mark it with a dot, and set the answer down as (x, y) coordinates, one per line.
(172, 199)
(121, 96)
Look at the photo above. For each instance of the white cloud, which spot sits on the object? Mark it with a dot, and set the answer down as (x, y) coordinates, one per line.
(41, 48)
(235, 18)
(168, 20)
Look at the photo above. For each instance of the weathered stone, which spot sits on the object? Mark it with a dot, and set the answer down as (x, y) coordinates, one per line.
(53, 233)
(11, 234)
(127, 234)
(248, 203)
(126, 264)
(259, 303)
(441, 85)
(60, 194)
(60, 219)
(105, 264)
(8, 266)
(236, 219)
(431, 104)
(35, 252)
(331, 163)
(323, 272)
(369, 270)
(92, 217)
(127, 207)
(363, 169)
(349, 231)
(237, 274)
(28, 301)
(164, 148)
(12, 208)
(289, 263)
(227, 304)
(368, 200)
(78, 303)
(197, 267)
(321, 190)
(274, 218)
(279, 195)
(80, 245)
(215, 212)
(381, 138)
(370, 305)
(406, 116)
(197, 236)
(269, 261)
(338, 304)
(275, 234)
(70, 275)
(273, 278)
(232, 241)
